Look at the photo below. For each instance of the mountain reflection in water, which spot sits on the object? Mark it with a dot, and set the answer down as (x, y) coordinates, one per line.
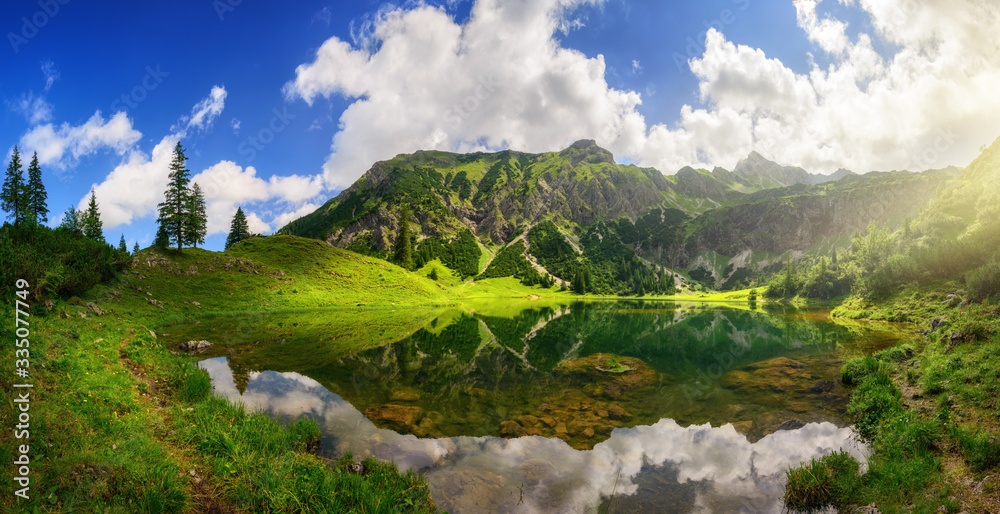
(662, 467)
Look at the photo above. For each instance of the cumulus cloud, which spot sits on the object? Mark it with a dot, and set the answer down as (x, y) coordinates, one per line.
(135, 187)
(228, 186)
(502, 79)
(204, 113)
(721, 467)
(63, 145)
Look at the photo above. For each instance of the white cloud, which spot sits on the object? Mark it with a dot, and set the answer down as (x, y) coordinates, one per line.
(135, 187)
(204, 113)
(35, 109)
(828, 33)
(236, 125)
(285, 218)
(62, 146)
(503, 80)
(51, 74)
(228, 186)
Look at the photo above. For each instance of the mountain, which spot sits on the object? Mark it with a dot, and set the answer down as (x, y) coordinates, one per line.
(495, 195)
(764, 174)
(576, 213)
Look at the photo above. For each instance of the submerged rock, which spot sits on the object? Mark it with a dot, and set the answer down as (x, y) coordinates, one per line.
(405, 395)
(398, 417)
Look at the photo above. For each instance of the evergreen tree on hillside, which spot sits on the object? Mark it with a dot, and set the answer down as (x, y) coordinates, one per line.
(403, 254)
(135, 248)
(13, 195)
(162, 239)
(36, 197)
(175, 209)
(197, 221)
(238, 230)
(93, 227)
(71, 220)
(122, 246)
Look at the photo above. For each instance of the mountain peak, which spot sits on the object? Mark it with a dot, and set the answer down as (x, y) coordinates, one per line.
(586, 150)
(583, 143)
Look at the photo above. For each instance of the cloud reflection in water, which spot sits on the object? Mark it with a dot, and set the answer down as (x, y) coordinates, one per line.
(697, 468)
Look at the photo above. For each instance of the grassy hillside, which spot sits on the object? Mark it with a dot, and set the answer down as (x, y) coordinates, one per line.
(122, 422)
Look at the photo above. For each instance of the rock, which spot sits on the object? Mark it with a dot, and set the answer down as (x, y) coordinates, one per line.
(152, 334)
(405, 395)
(956, 336)
(398, 417)
(822, 386)
(792, 424)
(867, 509)
(548, 421)
(527, 420)
(743, 427)
(616, 412)
(777, 362)
(535, 471)
(954, 302)
(74, 300)
(196, 304)
(191, 346)
(587, 432)
(964, 304)
(358, 468)
(511, 429)
(936, 322)
(49, 305)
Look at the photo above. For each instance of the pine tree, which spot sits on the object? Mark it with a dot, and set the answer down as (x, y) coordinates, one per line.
(403, 254)
(174, 211)
(122, 246)
(71, 220)
(789, 277)
(239, 230)
(38, 210)
(197, 221)
(135, 248)
(93, 227)
(13, 193)
(162, 239)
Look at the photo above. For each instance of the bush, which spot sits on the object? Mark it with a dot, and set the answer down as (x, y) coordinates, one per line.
(984, 282)
(195, 385)
(830, 481)
(856, 369)
(875, 400)
(55, 262)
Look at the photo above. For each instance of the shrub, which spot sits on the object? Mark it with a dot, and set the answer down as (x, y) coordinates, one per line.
(984, 282)
(830, 481)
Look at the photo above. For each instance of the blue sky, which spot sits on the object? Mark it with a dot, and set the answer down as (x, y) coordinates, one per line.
(280, 105)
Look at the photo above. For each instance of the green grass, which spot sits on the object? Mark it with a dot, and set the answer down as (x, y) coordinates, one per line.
(949, 414)
(122, 424)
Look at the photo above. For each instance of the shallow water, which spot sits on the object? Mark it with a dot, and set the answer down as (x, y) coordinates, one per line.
(633, 406)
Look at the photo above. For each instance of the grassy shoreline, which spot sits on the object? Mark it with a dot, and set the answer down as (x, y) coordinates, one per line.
(928, 410)
(124, 422)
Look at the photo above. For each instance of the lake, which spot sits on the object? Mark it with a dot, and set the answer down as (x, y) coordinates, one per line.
(625, 406)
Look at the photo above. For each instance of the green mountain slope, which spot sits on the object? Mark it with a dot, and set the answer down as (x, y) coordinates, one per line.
(608, 223)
